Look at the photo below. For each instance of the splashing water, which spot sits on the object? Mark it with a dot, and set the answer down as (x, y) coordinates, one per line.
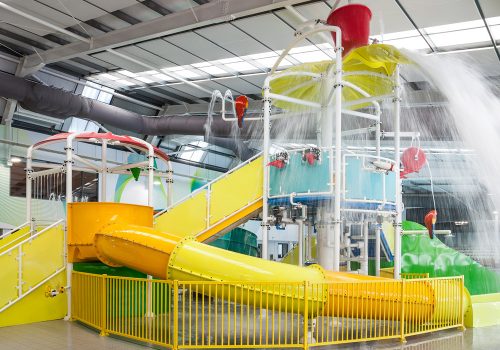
(472, 109)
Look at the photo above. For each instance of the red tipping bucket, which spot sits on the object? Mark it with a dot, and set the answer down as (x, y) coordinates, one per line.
(354, 21)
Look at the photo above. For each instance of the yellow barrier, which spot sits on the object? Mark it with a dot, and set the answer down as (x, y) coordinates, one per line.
(189, 315)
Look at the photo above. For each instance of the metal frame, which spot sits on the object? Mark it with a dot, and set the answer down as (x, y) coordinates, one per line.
(69, 165)
(331, 107)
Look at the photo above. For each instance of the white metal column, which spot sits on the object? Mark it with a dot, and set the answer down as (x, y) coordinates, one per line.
(399, 202)
(265, 156)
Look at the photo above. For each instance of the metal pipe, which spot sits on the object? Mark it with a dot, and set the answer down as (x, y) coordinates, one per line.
(104, 169)
(397, 159)
(364, 251)
(265, 156)
(377, 248)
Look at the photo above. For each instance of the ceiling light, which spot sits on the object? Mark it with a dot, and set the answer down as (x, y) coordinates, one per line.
(107, 76)
(148, 72)
(270, 61)
(187, 74)
(127, 73)
(241, 66)
(230, 60)
(212, 70)
(125, 82)
(313, 56)
(145, 80)
(163, 77)
(468, 36)
(15, 160)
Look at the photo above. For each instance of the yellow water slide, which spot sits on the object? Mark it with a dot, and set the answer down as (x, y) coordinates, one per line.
(111, 233)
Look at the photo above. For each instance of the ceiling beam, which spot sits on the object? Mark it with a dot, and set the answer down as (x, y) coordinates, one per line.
(199, 16)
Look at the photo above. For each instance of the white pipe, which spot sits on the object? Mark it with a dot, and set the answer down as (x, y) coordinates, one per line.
(301, 241)
(397, 159)
(338, 150)
(69, 199)
(299, 16)
(40, 173)
(377, 249)
(86, 162)
(265, 156)
(29, 170)
(295, 100)
(364, 250)
(128, 166)
(104, 169)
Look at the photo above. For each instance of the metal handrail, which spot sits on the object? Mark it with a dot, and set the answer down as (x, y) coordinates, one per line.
(207, 185)
(14, 230)
(32, 237)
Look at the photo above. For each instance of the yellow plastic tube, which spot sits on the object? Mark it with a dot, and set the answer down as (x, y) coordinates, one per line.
(168, 256)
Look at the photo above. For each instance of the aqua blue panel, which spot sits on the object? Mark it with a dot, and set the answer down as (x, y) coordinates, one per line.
(366, 184)
(300, 177)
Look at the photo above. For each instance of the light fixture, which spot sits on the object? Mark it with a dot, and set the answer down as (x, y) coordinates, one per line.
(15, 160)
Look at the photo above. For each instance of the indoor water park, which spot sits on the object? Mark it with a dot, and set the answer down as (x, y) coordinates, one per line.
(267, 174)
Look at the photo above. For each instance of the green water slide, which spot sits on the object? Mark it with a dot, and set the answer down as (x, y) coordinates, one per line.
(421, 254)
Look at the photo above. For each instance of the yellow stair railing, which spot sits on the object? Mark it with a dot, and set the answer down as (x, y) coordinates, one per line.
(224, 203)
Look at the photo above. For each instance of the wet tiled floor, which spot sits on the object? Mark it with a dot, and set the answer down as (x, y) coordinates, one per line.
(61, 335)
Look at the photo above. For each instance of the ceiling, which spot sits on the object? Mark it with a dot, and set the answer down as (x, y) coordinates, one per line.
(170, 52)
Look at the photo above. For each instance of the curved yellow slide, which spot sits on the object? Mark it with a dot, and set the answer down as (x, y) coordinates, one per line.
(110, 232)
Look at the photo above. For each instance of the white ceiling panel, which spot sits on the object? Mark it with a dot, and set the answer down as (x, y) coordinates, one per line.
(141, 12)
(27, 34)
(268, 29)
(145, 56)
(112, 5)
(101, 63)
(76, 8)
(256, 79)
(176, 5)
(491, 8)
(168, 51)
(439, 12)
(240, 85)
(113, 22)
(199, 46)
(38, 10)
(232, 39)
(190, 90)
(119, 62)
(175, 90)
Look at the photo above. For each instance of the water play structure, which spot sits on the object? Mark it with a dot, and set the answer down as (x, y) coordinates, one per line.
(197, 295)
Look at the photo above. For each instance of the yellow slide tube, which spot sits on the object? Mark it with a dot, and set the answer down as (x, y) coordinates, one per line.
(168, 256)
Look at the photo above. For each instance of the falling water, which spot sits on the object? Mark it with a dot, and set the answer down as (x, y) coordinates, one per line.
(469, 116)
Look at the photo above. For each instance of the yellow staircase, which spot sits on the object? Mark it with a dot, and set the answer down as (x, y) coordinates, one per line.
(31, 266)
(217, 207)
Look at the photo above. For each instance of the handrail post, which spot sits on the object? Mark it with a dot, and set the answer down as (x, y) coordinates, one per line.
(402, 321)
(306, 317)
(103, 305)
(461, 310)
(175, 315)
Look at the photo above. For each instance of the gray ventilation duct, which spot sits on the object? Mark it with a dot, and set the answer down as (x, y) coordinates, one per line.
(61, 104)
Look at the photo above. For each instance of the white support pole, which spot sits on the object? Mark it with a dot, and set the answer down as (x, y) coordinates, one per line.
(377, 249)
(29, 170)
(338, 151)
(364, 263)
(69, 199)
(309, 240)
(301, 241)
(399, 201)
(265, 156)
(151, 174)
(104, 168)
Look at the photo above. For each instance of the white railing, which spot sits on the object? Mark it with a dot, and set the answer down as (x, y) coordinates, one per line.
(19, 249)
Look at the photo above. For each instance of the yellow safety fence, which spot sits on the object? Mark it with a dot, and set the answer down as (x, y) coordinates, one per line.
(183, 315)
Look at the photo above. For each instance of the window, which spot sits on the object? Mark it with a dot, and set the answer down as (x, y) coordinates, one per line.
(204, 153)
(85, 185)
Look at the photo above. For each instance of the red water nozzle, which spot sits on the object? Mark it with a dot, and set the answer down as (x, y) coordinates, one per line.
(354, 21)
